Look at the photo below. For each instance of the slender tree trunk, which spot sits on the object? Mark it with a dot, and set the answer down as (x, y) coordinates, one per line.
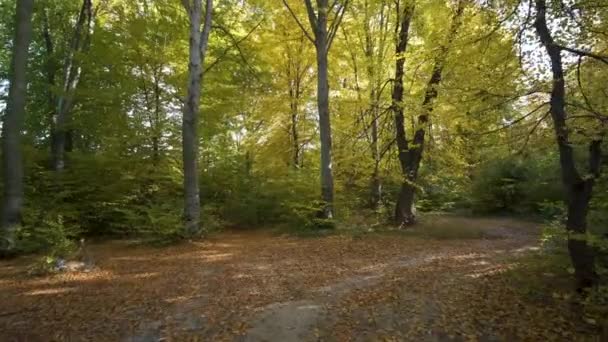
(323, 38)
(372, 69)
(322, 48)
(578, 189)
(198, 47)
(156, 125)
(12, 163)
(61, 137)
(295, 140)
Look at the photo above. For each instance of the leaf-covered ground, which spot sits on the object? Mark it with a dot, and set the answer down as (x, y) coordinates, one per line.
(255, 286)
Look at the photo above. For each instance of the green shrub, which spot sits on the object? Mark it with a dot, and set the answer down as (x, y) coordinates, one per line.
(520, 185)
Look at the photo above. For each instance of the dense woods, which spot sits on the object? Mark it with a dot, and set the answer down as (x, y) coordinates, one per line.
(168, 120)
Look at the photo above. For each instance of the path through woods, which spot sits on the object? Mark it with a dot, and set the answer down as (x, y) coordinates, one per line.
(256, 286)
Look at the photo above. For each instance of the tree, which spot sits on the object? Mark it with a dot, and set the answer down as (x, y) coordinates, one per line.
(11, 130)
(410, 154)
(324, 32)
(370, 38)
(578, 188)
(199, 41)
(72, 71)
(405, 14)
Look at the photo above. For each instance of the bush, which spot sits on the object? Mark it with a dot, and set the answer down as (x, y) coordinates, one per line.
(520, 185)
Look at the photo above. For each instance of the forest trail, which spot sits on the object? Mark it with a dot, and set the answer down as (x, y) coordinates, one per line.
(255, 286)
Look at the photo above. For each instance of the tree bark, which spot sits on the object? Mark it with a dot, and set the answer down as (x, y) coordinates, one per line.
(61, 136)
(578, 190)
(12, 162)
(403, 213)
(327, 181)
(411, 157)
(198, 47)
(323, 38)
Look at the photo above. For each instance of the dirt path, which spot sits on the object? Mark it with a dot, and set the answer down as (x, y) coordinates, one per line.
(260, 287)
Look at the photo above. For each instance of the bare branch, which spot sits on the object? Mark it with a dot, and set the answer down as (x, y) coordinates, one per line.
(516, 121)
(583, 53)
(295, 17)
(336, 23)
(235, 44)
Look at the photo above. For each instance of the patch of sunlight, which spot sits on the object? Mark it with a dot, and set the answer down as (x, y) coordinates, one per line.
(309, 307)
(374, 267)
(53, 291)
(480, 263)
(217, 257)
(527, 249)
(145, 275)
(242, 275)
(468, 256)
(131, 258)
(489, 271)
(178, 299)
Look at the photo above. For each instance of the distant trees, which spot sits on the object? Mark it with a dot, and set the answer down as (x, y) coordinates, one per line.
(12, 163)
(414, 98)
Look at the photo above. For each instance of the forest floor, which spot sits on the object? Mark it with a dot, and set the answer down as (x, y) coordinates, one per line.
(260, 286)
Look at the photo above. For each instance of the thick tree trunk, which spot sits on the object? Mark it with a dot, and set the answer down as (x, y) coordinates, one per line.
(327, 181)
(198, 47)
(12, 163)
(578, 190)
(323, 37)
(403, 212)
(322, 48)
(411, 157)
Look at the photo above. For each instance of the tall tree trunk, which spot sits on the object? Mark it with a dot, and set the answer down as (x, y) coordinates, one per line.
(12, 163)
(198, 47)
(295, 140)
(156, 131)
(402, 212)
(322, 38)
(578, 189)
(327, 181)
(411, 157)
(61, 137)
(376, 183)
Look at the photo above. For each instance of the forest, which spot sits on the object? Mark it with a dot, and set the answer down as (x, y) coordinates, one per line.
(304, 170)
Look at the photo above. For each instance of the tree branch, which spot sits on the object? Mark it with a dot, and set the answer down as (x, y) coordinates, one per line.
(295, 17)
(599, 57)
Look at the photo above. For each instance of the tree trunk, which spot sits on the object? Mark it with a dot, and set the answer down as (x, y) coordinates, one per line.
(578, 190)
(198, 47)
(327, 181)
(61, 137)
(403, 211)
(295, 140)
(322, 48)
(12, 162)
(374, 90)
(411, 157)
